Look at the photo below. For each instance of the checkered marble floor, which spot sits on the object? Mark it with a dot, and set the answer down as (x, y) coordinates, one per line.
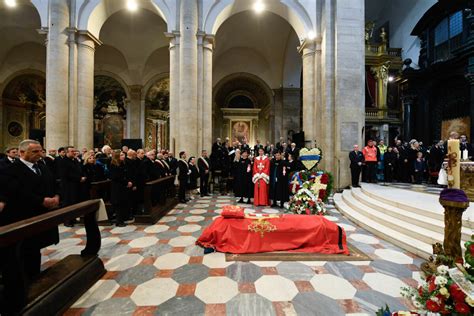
(158, 270)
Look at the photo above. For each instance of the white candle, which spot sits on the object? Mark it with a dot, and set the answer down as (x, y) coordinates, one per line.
(465, 154)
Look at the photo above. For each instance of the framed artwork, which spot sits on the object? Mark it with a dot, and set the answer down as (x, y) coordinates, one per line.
(241, 130)
(461, 125)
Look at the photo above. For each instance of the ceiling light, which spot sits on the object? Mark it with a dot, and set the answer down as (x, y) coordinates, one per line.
(132, 5)
(10, 3)
(311, 35)
(390, 78)
(259, 6)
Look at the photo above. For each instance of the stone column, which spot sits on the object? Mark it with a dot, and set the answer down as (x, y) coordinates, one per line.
(85, 90)
(208, 47)
(57, 75)
(308, 54)
(72, 96)
(188, 103)
(134, 112)
(349, 82)
(174, 91)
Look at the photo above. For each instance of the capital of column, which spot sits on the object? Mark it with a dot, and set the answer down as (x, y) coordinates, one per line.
(173, 38)
(135, 91)
(310, 47)
(86, 39)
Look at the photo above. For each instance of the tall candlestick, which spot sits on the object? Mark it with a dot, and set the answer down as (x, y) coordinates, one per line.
(454, 166)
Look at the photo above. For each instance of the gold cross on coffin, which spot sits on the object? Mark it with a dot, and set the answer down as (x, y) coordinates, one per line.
(317, 185)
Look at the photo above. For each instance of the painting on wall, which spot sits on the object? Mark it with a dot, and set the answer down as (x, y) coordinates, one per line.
(241, 130)
(113, 130)
(157, 115)
(461, 125)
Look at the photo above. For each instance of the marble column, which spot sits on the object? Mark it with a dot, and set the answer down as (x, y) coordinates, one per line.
(134, 112)
(57, 75)
(174, 91)
(85, 90)
(200, 86)
(208, 48)
(188, 104)
(73, 110)
(307, 50)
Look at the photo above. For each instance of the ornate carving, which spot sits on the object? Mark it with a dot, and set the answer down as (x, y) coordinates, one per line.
(261, 226)
(452, 227)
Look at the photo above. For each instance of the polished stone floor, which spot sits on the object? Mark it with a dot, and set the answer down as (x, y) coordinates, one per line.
(158, 270)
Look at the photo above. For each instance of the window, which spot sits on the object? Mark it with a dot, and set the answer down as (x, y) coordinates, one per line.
(441, 32)
(447, 36)
(455, 24)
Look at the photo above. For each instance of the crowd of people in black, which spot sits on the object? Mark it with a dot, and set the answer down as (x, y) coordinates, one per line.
(407, 162)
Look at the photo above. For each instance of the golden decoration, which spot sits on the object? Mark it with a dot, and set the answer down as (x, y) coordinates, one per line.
(261, 226)
(317, 185)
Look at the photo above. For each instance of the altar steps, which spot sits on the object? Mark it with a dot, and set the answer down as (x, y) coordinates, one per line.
(411, 220)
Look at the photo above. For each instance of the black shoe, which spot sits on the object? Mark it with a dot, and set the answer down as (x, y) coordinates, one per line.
(248, 201)
(182, 201)
(120, 224)
(240, 201)
(69, 225)
(274, 205)
(130, 220)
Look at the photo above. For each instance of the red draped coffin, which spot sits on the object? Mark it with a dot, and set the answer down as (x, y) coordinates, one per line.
(298, 233)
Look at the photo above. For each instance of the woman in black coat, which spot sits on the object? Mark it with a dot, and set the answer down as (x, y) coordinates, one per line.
(93, 173)
(121, 185)
(192, 185)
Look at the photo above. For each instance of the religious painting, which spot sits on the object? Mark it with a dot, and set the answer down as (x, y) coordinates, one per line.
(461, 125)
(157, 101)
(241, 130)
(26, 90)
(109, 111)
(113, 130)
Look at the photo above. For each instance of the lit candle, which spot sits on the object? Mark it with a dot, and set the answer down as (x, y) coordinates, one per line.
(454, 167)
(465, 154)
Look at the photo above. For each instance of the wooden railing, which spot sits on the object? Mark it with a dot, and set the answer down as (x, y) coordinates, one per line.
(59, 286)
(159, 199)
(382, 49)
(382, 114)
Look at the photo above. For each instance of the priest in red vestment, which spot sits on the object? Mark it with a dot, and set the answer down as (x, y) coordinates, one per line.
(261, 179)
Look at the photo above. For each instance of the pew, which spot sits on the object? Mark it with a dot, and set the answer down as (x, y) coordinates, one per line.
(159, 199)
(60, 285)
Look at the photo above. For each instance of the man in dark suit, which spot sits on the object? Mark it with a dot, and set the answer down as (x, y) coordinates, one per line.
(357, 159)
(11, 156)
(463, 144)
(204, 166)
(292, 150)
(183, 176)
(71, 179)
(27, 189)
(257, 146)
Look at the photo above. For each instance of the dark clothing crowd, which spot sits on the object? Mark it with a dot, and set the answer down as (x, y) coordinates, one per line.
(409, 162)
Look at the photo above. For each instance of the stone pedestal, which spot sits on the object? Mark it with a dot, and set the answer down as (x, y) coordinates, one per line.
(452, 227)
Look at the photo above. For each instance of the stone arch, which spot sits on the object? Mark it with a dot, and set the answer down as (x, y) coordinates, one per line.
(116, 77)
(290, 10)
(93, 14)
(253, 86)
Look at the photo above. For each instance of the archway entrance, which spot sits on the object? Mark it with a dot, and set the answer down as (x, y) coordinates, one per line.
(24, 106)
(257, 77)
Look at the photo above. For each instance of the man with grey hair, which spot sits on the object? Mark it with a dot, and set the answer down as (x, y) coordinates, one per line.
(29, 190)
